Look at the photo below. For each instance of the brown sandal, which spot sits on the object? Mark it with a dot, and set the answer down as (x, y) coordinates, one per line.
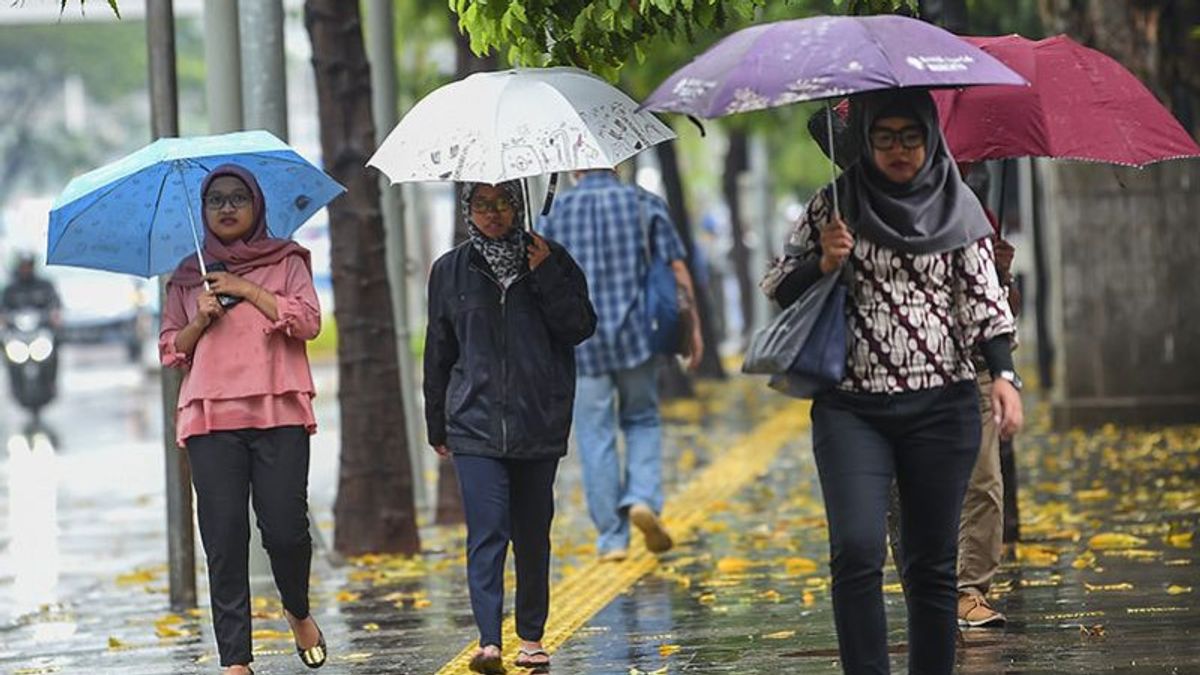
(524, 655)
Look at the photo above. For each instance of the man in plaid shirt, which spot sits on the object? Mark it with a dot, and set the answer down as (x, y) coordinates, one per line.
(603, 224)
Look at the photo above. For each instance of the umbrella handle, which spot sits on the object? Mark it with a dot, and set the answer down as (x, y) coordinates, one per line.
(528, 208)
(192, 222)
(832, 161)
(550, 191)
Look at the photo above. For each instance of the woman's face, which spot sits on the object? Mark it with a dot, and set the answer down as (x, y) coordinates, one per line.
(492, 212)
(898, 148)
(229, 208)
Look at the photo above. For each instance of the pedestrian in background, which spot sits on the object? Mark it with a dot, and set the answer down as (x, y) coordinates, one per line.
(925, 294)
(613, 229)
(981, 528)
(506, 309)
(245, 406)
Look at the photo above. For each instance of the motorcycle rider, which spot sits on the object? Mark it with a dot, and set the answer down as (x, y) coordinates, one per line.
(27, 290)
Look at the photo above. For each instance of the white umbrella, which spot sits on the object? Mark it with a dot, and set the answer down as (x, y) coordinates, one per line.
(494, 127)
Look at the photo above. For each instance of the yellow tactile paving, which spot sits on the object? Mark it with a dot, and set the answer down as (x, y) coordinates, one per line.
(578, 598)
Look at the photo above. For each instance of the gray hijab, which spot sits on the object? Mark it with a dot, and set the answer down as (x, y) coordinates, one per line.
(933, 213)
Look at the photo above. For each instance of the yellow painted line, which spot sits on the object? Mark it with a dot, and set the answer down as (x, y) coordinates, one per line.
(577, 598)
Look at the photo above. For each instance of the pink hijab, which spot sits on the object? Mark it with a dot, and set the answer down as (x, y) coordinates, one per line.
(257, 249)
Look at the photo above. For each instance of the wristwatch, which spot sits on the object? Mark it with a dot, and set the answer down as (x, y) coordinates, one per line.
(1012, 377)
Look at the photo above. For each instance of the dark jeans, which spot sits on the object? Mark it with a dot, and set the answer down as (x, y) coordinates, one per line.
(508, 500)
(228, 469)
(928, 442)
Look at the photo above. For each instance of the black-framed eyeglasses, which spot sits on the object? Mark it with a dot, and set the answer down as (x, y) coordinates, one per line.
(499, 205)
(911, 137)
(238, 200)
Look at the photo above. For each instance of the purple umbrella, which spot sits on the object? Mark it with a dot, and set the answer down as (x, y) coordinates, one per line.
(823, 57)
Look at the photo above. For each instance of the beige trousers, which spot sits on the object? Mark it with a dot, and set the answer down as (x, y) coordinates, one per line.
(981, 527)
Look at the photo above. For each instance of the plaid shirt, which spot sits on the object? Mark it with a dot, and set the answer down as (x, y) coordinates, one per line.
(599, 224)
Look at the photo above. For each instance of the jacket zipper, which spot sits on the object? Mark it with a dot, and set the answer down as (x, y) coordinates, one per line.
(504, 353)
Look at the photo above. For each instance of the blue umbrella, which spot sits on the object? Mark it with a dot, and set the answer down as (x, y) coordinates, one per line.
(142, 214)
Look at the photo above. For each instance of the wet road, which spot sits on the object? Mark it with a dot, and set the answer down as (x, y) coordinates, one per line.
(1105, 581)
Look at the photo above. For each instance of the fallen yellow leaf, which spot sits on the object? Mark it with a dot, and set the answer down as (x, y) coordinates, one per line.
(1085, 560)
(781, 635)
(1181, 540)
(734, 565)
(164, 631)
(370, 627)
(809, 599)
(667, 650)
(347, 596)
(1123, 586)
(708, 598)
(1037, 556)
(893, 588)
(1097, 495)
(1115, 540)
(771, 595)
(1174, 589)
(114, 643)
(135, 578)
(800, 566)
(266, 634)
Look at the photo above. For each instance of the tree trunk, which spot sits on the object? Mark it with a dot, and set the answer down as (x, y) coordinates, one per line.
(374, 511)
(668, 162)
(737, 161)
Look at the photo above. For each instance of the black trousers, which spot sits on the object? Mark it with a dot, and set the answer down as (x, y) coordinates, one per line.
(229, 468)
(508, 500)
(928, 442)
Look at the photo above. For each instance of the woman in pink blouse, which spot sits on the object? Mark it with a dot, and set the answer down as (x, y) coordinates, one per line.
(245, 407)
(924, 296)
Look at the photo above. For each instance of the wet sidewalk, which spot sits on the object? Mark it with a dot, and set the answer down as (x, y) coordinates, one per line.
(1104, 581)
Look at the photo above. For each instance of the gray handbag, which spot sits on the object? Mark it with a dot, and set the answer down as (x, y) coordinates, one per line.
(776, 346)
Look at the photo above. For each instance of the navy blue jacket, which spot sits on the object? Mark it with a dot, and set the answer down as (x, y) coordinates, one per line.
(500, 364)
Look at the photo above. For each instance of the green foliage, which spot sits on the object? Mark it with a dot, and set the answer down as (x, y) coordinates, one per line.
(1001, 17)
(597, 35)
(421, 27)
(862, 7)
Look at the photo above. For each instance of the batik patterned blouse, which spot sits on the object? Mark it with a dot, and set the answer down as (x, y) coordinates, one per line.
(913, 319)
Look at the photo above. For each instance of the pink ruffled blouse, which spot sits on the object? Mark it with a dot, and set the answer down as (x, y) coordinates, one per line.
(246, 372)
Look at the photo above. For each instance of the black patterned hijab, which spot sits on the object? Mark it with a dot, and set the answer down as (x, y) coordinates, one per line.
(507, 255)
(935, 211)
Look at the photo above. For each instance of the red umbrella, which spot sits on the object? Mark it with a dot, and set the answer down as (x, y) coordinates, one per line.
(1081, 104)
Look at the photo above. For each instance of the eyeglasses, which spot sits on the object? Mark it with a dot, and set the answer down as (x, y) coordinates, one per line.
(911, 138)
(238, 200)
(499, 206)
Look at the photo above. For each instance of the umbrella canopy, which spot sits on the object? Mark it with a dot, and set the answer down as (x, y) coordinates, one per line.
(775, 64)
(142, 214)
(493, 127)
(1082, 105)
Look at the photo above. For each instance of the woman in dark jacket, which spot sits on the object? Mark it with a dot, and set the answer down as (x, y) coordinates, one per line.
(506, 310)
(925, 297)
